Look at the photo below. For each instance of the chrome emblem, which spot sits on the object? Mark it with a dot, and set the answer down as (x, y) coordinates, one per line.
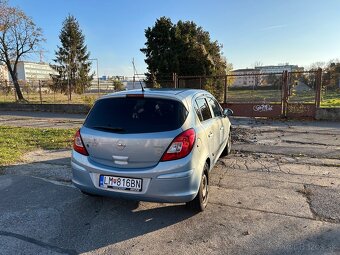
(120, 145)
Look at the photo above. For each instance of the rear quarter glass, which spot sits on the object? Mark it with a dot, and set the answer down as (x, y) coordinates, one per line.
(136, 115)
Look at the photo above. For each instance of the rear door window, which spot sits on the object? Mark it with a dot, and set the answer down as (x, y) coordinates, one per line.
(136, 115)
(203, 108)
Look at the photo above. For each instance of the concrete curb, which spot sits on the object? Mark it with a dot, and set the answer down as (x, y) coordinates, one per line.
(58, 108)
(332, 114)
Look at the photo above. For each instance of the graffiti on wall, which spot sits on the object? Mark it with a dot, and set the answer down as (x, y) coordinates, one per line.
(297, 108)
(263, 108)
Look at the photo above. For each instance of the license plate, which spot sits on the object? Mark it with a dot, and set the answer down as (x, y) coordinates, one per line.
(121, 183)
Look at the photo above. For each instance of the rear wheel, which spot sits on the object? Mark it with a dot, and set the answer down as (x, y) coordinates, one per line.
(201, 200)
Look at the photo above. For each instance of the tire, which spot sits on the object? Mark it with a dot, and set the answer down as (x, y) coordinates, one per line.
(199, 203)
(227, 148)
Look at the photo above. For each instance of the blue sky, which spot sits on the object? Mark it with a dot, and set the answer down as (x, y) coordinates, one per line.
(268, 31)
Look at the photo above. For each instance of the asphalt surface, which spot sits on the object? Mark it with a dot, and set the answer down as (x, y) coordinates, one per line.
(41, 119)
(278, 193)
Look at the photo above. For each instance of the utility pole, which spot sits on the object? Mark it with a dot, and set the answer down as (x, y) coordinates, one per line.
(134, 72)
(96, 59)
(68, 79)
(41, 54)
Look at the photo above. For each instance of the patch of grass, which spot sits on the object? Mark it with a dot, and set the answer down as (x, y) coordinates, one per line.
(15, 141)
(330, 103)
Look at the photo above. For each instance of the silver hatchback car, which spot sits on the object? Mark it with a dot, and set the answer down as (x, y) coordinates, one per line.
(153, 145)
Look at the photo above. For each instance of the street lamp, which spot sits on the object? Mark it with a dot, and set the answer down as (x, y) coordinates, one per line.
(96, 59)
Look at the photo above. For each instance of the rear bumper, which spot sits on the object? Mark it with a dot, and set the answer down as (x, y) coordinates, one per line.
(166, 182)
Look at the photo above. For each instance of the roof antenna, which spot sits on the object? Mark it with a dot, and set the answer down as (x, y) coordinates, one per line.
(135, 73)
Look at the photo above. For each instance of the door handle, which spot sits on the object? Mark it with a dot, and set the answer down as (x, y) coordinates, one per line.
(210, 135)
(221, 128)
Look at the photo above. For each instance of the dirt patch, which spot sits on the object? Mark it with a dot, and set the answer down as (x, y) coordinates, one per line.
(242, 135)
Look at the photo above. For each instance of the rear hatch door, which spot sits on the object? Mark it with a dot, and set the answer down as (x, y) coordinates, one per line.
(132, 132)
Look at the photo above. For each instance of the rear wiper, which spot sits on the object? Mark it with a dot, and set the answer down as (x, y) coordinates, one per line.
(108, 128)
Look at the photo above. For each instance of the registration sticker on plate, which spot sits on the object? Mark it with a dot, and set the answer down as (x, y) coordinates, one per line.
(121, 183)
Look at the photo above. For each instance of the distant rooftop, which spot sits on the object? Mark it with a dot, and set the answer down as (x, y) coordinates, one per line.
(244, 70)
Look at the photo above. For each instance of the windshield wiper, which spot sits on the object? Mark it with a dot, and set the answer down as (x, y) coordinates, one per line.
(108, 128)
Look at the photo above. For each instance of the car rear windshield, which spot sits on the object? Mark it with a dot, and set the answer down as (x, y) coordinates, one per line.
(136, 115)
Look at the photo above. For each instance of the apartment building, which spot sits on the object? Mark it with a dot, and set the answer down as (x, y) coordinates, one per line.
(279, 68)
(31, 71)
(3, 73)
(259, 76)
(245, 77)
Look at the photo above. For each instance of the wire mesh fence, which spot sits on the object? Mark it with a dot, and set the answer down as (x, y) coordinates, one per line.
(330, 90)
(257, 87)
(162, 81)
(302, 86)
(238, 87)
(43, 91)
(214, 84)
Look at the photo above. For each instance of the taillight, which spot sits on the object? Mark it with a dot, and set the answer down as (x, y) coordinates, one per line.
(181, 146)
(78, 144)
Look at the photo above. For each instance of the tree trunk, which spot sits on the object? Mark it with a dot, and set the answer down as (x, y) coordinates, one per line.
(16, 83)
(18, 90)
(70, 92)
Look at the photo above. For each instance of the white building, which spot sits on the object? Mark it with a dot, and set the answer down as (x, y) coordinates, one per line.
(245, 77)
(31, 71)
(250, 77)
(279, 68)
(133, 84)
(3, 73)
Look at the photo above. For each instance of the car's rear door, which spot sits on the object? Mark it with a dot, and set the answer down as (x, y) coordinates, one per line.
(209, 125)
(218, 119)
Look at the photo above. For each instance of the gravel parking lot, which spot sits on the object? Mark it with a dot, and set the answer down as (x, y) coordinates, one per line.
(278, 193)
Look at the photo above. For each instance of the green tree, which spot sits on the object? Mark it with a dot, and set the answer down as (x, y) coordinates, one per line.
(183, 48)
(118, 85)
(19, 36)
(331, 75)
(273, 80)
(160, 57)
(72, 60)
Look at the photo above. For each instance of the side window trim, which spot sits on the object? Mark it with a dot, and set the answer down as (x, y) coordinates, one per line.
(203, 97)
(217, 105)
(198, 111)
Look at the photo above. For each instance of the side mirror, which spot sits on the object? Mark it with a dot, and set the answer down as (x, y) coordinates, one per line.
(228, 112)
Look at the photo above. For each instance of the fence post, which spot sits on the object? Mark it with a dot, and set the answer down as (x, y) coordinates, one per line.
(225, 89)
(40, 92)
(15, 95)
(318, 88)
(174, 80)
(98, 88)
(285, 93)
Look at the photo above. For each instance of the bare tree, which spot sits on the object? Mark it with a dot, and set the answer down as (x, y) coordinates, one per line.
(257, 64)
(18, 36)
(257, 71)
(314, 66)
